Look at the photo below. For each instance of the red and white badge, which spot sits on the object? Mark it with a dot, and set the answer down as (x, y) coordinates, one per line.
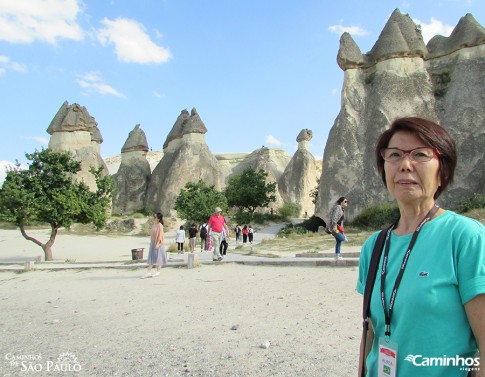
(387, 358)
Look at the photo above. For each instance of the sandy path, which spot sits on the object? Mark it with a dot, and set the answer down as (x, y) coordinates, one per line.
(89, 248)
(179, 324)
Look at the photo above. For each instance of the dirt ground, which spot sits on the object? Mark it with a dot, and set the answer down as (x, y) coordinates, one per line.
(208, 321)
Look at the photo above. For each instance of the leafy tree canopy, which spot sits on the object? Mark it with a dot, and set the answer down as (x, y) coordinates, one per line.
(249, 190)
(47, 192)
(197, 202)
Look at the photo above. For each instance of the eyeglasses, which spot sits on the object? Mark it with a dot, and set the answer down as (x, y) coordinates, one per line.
(421, 154)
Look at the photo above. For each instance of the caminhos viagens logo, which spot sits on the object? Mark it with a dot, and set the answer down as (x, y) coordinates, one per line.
(443, 361)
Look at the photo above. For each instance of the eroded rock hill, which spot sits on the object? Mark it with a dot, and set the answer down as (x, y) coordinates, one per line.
(401, 76)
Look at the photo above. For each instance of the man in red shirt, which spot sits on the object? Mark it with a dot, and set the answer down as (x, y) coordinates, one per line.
(217, 224)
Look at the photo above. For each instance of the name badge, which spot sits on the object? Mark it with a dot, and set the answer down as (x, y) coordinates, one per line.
(387, 358)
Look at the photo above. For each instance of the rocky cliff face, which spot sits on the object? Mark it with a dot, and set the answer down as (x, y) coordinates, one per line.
(443, 81)
(133, 175)
(73, 129)
(151, 181)
(300, 176)
(186, 158)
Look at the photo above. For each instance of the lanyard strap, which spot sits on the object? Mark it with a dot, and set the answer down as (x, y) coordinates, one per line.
(388, 314)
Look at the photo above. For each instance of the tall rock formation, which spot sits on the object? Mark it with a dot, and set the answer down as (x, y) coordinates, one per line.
(443, 81)
(186, 158)
(133, 175)
(73, 129)
(300, 176)
(271, 161)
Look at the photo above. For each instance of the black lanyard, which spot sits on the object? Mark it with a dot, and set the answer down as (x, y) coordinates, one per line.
(387, 314)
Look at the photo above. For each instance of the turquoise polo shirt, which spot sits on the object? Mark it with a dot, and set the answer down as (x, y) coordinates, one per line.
(445, 270)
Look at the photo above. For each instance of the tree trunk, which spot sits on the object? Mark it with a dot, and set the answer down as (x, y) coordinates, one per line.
(47, 247)
(47, 252)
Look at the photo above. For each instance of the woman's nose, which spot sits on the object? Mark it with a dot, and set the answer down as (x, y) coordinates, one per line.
(406, 162)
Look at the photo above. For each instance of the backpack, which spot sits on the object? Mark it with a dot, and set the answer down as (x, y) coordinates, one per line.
(203, 231)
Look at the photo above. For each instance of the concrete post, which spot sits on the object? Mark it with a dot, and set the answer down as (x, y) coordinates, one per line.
(192, 260)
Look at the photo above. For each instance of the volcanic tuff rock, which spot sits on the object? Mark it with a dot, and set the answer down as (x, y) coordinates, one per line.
(186, 158)
(400, 76)
(113, 163)
(184, 125)
(300, 176)
(73, 129)
(133, 175)
(271, 161)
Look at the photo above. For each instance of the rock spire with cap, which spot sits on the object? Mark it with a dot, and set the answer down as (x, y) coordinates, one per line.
(74, 129)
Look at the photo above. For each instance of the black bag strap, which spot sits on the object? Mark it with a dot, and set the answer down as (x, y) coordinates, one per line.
(369, 286)
(372, 273)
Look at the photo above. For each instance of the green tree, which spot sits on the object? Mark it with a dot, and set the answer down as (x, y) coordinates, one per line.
(197, 201)
(314, 192)
(47, 192)
(249, 190)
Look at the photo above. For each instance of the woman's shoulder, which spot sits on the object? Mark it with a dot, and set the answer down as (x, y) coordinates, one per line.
(456, 220)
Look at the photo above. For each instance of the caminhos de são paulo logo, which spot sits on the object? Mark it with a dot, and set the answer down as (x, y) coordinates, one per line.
(443, 361)
(66, 362)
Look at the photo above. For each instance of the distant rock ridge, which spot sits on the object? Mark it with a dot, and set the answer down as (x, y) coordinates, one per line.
(443, 81)
(401, 37)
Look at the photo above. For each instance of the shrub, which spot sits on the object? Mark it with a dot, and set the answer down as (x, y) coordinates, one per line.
(476, 201)
(242, 217)
(291, 229)
(289, 210)
(376, 217)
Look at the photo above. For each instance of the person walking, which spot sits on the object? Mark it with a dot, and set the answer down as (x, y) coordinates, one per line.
(180, 239)
(157, 255)
(214, 227)
(336, 224)
(192, 237)
(237, 233)
(224, 244)
(426, 294)
(203, 237)
(245, 232)
(250, 234)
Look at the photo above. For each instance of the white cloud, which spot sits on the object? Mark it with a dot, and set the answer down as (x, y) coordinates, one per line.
(40, 139)
(433, 28)
(156, 94)
(271, 140)
(6, 166)
(353, 30)
(94, 83)
(405, 4)
(7, 64)
(25, 21)
(132, 43)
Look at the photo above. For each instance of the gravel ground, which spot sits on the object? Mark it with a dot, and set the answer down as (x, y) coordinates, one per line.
(209, 321)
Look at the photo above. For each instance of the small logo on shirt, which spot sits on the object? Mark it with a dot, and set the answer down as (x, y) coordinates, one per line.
(423, 274)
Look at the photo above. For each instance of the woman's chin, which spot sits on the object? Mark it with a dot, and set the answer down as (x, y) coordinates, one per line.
(407, 196)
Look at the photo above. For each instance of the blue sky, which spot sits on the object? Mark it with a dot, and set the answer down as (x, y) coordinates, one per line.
(258, 71)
